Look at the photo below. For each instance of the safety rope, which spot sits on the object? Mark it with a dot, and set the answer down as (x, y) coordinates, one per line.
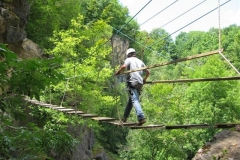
(219, 26)
(64, 92)
(158, 13)
(182, 14)
(75, 95)
(219, 39)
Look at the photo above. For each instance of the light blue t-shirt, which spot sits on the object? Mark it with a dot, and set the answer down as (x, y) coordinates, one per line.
(133, 63)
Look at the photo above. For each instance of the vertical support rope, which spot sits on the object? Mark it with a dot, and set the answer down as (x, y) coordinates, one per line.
(219, 39)
(219, 27)
(64, 92)
(75, 96)
(50, 96)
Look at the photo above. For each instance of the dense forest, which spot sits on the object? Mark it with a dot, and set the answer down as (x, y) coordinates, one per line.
(76, 71)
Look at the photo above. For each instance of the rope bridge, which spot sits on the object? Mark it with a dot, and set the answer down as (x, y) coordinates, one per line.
(131, 125)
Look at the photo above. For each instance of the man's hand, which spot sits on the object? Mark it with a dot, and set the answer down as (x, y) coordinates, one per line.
(120, 69)
(144, 81)
(117, 73)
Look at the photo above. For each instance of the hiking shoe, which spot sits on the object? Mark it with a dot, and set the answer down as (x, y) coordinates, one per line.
(141, 122)
(124, 119)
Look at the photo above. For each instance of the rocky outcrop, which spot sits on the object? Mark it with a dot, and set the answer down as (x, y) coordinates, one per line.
(118, 55)
(84, 149)
(224, 145)
(13, 20)
(119, 46)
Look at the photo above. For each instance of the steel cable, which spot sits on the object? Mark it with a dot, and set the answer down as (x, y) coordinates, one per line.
(190, 23)
(159, 12)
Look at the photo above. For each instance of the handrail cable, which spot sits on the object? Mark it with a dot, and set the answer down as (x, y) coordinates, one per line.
(127, 22)
(189, 23)
(182, 14)
(158, 13)
(134, 16)
(174, 61)
(144, 47)
(194, 80)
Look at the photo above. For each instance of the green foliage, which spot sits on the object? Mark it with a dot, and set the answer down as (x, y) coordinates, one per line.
(26, 77)
(90, 66)
(196, 42)
(48, 16)
(20, 78)
(51, 142)
(230, 44)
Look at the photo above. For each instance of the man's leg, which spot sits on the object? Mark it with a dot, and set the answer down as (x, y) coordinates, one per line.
(127, 109)
(136, 104)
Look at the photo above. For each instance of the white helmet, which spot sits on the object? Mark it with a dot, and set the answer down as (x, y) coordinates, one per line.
(130, 50)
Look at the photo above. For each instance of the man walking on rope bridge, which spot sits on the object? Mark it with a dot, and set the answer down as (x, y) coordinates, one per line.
(135, 82)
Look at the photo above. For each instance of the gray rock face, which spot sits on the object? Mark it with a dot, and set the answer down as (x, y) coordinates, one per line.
(100, 156)
(13, 19)
(224, 145)
(83, 150)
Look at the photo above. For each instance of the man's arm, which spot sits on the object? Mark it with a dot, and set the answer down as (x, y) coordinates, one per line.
(120, 69)
(146, 76)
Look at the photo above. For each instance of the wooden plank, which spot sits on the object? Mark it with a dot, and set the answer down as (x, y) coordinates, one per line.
(229, 125)
(88, 115)
(176, 61)
(148, 126)
(44, 104)
(31, 100)
(66, 109)
(41, 103)
(187, 126)
(58, 108)
(75, 112)
(103, 118)
(38, 103)
(195, 80)
(54, 106)
(119, 123)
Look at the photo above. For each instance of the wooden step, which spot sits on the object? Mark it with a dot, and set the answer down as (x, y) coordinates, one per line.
(57, 108)
(186, 126)
(86, 115)
(103, 118)
(44, 104)
(227, 125)
(66, 109)
(75, 112)
(120, 123)
(148, 126)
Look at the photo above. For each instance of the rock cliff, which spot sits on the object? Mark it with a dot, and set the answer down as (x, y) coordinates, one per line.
(225, 145)
(13, 20)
